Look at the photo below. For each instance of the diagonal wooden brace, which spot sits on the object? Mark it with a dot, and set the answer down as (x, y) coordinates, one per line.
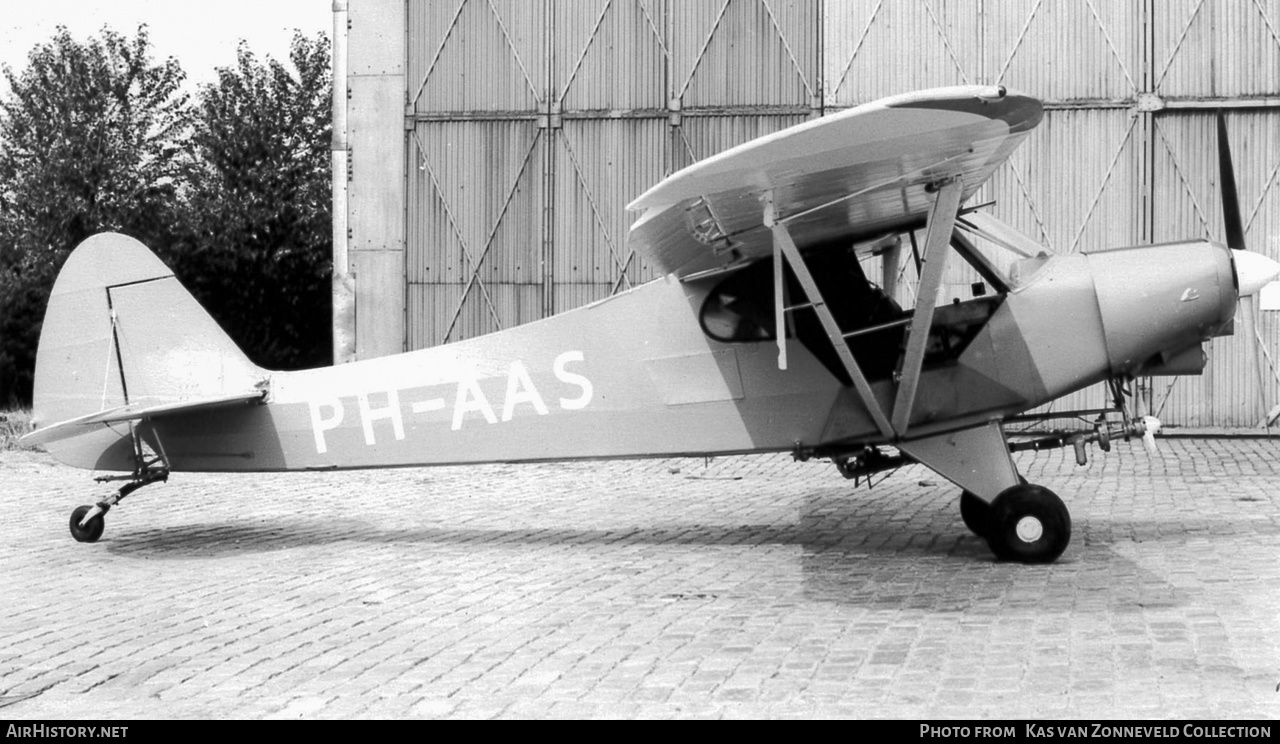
(942, 220)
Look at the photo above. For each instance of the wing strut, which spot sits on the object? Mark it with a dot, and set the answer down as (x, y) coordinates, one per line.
(785, 247)
(942, 219)
(779, 287)
(889, 261)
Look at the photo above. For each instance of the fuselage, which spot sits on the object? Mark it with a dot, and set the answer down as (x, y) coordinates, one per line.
(638, 375)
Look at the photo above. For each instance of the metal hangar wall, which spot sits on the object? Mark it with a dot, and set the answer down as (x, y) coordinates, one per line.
(484, 150)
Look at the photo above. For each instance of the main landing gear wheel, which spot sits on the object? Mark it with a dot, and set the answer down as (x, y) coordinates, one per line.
(1028, 523)
(91, 530)
(975, 512)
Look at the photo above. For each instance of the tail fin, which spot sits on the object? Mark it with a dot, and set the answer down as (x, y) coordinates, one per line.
(121, 334)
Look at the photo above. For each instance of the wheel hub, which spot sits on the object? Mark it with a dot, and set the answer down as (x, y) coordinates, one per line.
(1029, 529)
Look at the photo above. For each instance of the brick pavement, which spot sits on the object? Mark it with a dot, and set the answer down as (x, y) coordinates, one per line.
(743, 586)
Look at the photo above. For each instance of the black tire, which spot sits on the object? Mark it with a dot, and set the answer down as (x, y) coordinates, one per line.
(975, 512)
(91, 531)
(1029, 524)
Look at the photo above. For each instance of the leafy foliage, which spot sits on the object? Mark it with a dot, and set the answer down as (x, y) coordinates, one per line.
(231, 189)
(258, 249)
(92, 138)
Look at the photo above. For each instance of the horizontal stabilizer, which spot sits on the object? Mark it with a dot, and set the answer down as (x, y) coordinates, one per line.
(83, 424)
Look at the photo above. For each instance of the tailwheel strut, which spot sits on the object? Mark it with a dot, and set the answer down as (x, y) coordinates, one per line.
(87, 523)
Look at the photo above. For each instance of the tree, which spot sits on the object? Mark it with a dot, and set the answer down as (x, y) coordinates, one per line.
(258, 253)
(233, 194)
(92, 138)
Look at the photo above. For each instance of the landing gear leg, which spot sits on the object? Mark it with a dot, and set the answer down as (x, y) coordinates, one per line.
(1022, 522)
(87, 522)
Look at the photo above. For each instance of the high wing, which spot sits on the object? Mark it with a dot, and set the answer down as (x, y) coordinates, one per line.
(855, 174)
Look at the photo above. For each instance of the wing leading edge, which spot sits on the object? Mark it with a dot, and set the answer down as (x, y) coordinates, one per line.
(854, 174)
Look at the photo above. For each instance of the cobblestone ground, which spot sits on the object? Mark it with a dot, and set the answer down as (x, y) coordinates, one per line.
(744, 586)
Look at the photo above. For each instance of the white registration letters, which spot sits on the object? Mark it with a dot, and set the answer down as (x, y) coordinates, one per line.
(320, 424)
(520, 389)
(521, 396)
(563, 375)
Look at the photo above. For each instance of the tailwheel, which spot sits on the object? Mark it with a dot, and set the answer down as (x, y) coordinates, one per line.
(975, 512)
(1028, 523)
(87, 522)
(87, 531)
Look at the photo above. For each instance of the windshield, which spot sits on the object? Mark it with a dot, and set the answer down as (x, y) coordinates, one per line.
(1006, 251)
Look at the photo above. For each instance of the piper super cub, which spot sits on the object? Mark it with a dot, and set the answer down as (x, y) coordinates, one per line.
(764, 334)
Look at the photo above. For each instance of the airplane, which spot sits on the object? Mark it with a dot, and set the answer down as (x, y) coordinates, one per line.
(763, 334)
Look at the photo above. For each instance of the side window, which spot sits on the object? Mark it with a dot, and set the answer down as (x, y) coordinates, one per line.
(954, 327)
(740, 308)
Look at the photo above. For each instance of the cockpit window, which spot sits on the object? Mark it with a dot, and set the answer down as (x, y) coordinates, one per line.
(730, 317)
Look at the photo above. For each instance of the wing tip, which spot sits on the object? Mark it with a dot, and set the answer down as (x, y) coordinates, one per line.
(1020, 111)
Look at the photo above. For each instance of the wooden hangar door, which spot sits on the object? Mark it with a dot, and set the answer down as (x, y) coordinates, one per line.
(1126, 153)
(533, 123)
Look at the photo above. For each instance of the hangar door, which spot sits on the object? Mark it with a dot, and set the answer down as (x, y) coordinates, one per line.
(531, 123)
(1126, 153)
